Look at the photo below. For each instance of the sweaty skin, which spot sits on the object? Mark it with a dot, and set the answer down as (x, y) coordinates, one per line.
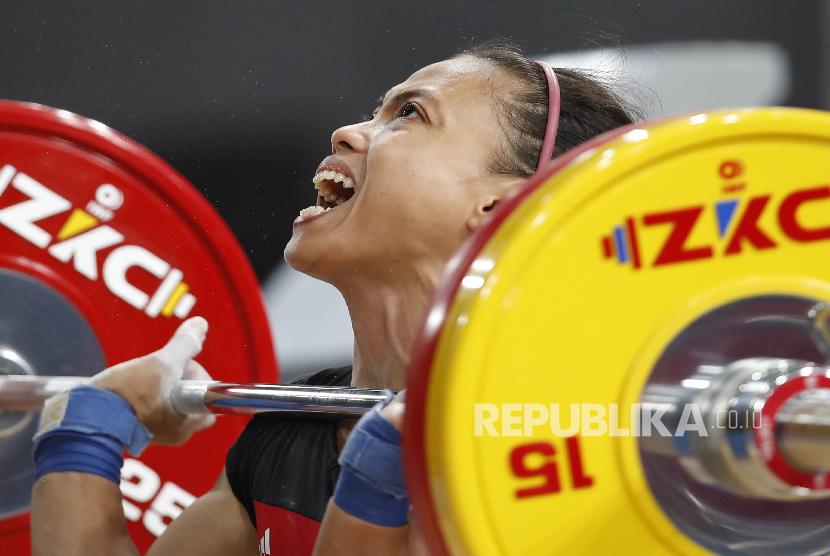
(422, 184)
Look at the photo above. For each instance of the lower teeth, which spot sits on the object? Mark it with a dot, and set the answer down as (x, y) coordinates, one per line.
(313, 211)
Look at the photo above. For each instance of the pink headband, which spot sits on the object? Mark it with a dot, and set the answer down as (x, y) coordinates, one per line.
(552, 126)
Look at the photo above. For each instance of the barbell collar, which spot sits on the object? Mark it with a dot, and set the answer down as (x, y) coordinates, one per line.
(803, 428)
(804, 431)
(766, 422)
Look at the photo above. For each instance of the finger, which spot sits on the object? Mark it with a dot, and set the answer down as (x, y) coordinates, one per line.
(195, 371)
(195, 423)
(394, 414)
(186, 342)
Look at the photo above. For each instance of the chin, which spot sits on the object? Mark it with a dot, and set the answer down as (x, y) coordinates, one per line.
(303, 258)
(294, 256)
(331, 257)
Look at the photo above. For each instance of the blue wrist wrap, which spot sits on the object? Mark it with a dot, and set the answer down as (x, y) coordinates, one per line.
(371, 486)
(86, 430)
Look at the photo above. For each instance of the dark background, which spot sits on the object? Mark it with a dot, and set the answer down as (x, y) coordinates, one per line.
(242, 98)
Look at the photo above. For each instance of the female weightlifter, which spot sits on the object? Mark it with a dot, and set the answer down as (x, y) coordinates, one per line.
(395, 199)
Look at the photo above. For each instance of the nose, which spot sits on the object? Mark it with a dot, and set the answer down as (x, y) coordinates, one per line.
(350, 138)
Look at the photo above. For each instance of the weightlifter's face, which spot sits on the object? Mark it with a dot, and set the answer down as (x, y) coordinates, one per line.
(420, 179)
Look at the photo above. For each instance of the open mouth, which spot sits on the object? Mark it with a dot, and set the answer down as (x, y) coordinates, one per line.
(333, 189)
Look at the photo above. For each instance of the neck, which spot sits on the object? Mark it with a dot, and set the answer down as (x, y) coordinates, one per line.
(386, 319)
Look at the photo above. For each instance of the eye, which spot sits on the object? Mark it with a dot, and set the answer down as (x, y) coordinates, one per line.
(407, 110)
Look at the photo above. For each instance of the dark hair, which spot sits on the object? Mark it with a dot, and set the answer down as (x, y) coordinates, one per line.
(589, 108)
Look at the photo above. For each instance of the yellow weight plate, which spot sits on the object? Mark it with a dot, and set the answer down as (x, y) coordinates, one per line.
(568, 297)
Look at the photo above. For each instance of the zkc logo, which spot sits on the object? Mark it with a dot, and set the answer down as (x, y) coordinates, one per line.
(83, 235)
(735, 234)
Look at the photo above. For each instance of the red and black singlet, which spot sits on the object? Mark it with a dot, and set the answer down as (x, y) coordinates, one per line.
(283, 471)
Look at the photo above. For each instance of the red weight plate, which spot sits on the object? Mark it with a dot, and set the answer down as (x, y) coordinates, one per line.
(101, 225)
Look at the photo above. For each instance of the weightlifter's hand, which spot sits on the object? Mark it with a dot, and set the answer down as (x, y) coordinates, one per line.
(146, 383)
(394, 411)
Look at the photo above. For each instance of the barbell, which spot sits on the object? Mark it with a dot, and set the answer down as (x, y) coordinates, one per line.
(665, 274)
(804, 428)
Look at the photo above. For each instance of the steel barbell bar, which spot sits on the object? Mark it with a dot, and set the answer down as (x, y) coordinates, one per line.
(801, 427)
(27, 393)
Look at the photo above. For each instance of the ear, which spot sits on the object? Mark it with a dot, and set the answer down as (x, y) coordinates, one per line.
(482, 209)
(488, 201)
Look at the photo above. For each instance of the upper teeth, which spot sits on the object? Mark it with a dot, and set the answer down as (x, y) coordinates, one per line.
(336, 177)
